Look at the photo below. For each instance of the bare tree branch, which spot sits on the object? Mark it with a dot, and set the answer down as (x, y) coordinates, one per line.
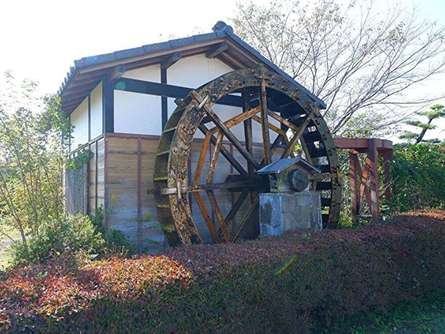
(357, 57)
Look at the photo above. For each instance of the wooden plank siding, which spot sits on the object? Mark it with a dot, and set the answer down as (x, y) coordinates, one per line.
(84, 186)
(130, 202)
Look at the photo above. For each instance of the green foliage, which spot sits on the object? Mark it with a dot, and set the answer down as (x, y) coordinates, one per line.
(33, 137)
(418, 176)
(116, 241)
(435, 112)
(79, 159)
(70, 235)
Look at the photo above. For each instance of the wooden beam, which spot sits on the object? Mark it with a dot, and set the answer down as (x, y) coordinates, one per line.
(164, 102)
(362, 143)
(107, 106)
(117, 72)
(89, 118)
(217, 50)
(159, 89)
(170, 60)
(265, 123)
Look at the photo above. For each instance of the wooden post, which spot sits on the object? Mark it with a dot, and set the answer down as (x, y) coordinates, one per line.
(139, 195)
(371, 162)
(106, 185)
(164, 107)
(107, 106)
(96, 175)
(354, 167)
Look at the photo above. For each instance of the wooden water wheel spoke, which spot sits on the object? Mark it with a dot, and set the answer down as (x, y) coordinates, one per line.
(234, 210)
(230, 136)
(218, 214)
(202, 158)
(230, 158)
(272, 127)
(241, 117)
(275, 145)
(283, 121)
(265, 123)
(232, 187)
(205, 215)
(247, 124)
(214, 159)
(296, 137)
(245, 219)
(235, 120)
(236, 206)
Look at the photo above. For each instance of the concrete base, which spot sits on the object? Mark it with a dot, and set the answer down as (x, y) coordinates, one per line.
(283, 212)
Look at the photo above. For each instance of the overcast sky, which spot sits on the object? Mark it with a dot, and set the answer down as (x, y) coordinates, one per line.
(41, 39)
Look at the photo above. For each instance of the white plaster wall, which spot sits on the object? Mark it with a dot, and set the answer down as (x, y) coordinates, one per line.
(196, 70)
(79, 121)
(147, 73)
(96, 111)
(193, 72)
(138, 113)
(141, 113)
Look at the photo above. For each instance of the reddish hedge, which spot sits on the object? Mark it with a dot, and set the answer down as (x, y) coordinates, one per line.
(248, 287)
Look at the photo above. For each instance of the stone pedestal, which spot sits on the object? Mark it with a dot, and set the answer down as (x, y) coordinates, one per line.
(283, 212)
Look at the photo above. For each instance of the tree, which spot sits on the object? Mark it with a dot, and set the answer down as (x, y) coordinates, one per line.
(361, 59)
(33, 133)
(435, 112)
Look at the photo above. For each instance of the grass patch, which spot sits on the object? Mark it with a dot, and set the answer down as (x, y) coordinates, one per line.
(424, 315)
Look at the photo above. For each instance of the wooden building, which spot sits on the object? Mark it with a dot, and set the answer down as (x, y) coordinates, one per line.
(118, 104)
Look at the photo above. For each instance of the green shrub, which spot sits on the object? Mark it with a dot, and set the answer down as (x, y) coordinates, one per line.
(116, 241)
(294, 284)
(419, 176)
(55, 237)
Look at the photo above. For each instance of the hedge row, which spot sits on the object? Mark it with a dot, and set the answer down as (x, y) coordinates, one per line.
(292, 284)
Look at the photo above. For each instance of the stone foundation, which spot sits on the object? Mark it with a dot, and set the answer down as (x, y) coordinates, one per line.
(283, 212)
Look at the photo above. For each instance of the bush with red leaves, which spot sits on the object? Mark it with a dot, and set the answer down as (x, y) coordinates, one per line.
(288, 284)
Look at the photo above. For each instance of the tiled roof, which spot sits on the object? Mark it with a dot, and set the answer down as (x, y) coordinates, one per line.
(220, 31)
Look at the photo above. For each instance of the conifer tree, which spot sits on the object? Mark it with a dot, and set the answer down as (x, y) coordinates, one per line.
(435, 112)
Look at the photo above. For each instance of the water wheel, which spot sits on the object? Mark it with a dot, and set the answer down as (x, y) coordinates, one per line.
(206, 188)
